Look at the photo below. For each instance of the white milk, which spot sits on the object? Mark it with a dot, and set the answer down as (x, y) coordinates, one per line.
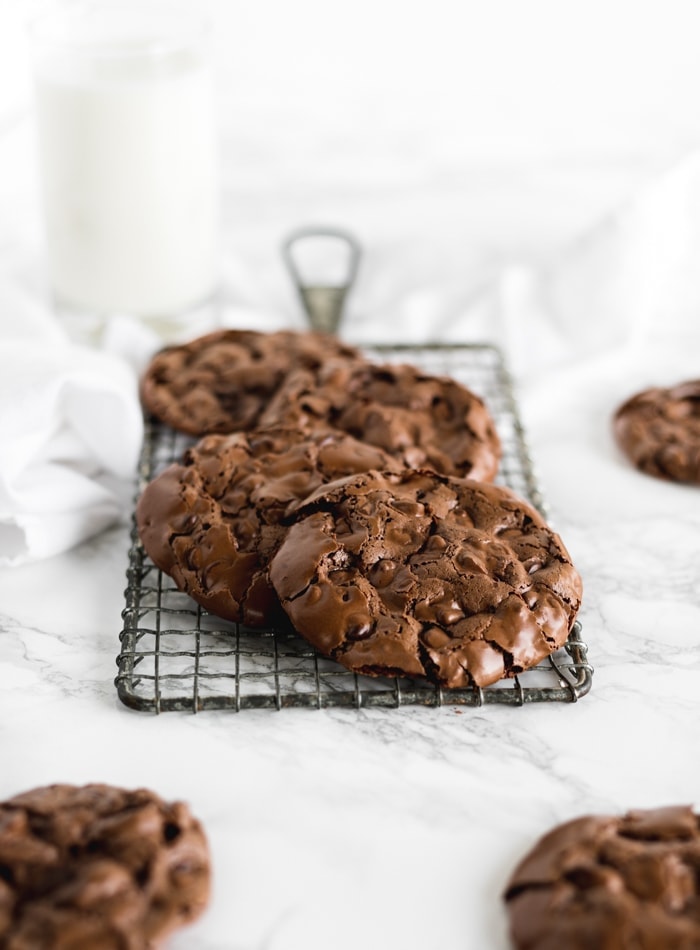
(128, 168)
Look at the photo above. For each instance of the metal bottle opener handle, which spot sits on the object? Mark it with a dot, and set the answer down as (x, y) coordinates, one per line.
(323, 302)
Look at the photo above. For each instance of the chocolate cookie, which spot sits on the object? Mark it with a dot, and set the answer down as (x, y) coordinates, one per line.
(613, 883)
(659, 431)
(213, 521)
(221, 382)
(425, 421)
(422, 574)
(98, 867)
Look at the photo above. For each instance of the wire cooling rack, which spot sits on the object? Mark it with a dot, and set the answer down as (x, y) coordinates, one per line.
(174, 656)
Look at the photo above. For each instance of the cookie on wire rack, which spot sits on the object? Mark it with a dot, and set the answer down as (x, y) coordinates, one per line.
(624, 882)
(222, 382)
(426, 575)
(658, 430)
(213, 521)
(425, 421)
(98, 866)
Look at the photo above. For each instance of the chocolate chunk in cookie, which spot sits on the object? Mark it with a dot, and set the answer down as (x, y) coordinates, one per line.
(98, 867)
(421, 574)
(221, 382)
(213, 521)
(613, 883)
(659, 431)
(425, 421)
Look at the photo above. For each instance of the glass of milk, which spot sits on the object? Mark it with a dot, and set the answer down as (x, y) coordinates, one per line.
(128, 163)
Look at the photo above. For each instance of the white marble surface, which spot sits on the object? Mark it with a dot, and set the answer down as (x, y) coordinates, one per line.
(394, 829)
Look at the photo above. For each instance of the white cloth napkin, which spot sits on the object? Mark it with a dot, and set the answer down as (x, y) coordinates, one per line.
(628, 286)
(70, 434)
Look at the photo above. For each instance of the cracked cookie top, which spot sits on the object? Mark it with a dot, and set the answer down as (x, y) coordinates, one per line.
(612, 882)
(422, 420)
(222, 382)
(426, 575)
(98, 866)
(659, 432)
(213, 521)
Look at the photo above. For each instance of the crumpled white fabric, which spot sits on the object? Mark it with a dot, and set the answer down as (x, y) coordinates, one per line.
(70, 434)
(625, 286)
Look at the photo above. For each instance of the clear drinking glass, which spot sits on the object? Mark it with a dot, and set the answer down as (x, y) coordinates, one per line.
(128, 163)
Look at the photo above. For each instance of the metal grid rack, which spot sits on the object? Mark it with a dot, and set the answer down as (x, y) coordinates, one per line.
(175, 656)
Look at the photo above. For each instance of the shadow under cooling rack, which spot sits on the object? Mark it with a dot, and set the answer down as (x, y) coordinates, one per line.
(174, 656)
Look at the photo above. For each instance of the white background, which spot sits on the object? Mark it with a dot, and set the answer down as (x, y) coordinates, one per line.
(454, 81)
